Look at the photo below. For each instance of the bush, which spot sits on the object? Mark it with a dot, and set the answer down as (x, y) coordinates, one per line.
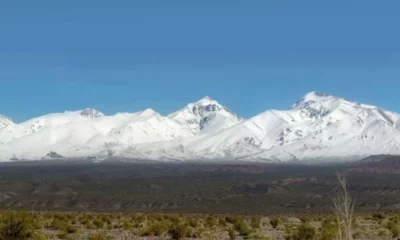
(394, 229)
(232, 219)
(303, 232)
(378, 216)
(232, 234)
(58, 224)
(90, 225)
(210, 222)
(193, 222)
(157, 229)
(16, 226)
(62, 235)
(98, 223)
(275, 222)
(71, 229)
(328, 230)
(242, 228)
(179, 231)
(38, 235)
(255, 222)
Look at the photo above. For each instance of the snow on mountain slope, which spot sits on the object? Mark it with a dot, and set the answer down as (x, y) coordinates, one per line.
(149, 126)
(205, 116)
(86, 133)
(65, 140)
(16, 131)
(318, 127)
(340, 129)
(5, 121)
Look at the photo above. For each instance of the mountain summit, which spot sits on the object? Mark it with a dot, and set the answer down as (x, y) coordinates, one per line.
(91, 113)
(205, 115)
(318, 128)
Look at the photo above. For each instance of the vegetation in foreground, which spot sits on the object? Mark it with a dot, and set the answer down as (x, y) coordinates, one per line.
(109, 226)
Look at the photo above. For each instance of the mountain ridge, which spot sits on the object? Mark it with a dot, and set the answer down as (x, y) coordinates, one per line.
(318, 127)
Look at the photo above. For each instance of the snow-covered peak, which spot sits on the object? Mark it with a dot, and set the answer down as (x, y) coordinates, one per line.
(148, 113)
(200, 115)
(206, 101)
(313, 97)
(91, 113)
(5, 121)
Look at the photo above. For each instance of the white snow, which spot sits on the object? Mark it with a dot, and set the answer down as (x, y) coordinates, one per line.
(317, 128)
(5, 121)
(205, 116)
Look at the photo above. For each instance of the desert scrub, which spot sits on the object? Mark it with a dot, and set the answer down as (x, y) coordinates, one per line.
(232, 219)
(243, 228)
(275, 222)
(194, 222)
(232, 234)
(58, 224)
(394, 229)
(158, 229)
(255, 222)
(210, 222)
(179, 231)
(303, 232)
(329, 229)
(98, 223)
(16, 226)
(378, 217)
(99, 236)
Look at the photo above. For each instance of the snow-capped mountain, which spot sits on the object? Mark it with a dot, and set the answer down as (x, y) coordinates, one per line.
(5, 121)
(318, 127)
(205, 115)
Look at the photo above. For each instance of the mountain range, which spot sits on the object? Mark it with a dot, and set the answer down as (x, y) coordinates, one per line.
(318, 128)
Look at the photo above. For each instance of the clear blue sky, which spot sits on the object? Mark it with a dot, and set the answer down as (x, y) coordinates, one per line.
(249, 55)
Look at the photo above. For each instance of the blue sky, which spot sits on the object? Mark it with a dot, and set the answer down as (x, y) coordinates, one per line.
(249, 55)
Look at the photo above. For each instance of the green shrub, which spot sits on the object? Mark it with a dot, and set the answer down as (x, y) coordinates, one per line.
(194, 222)
(210, 222)
(328, 230)
(232, 234)
(242, 228)
(255, 222)
(179, 231)
(71, 229)
(275, 222)
(38, 235)
(384, 233)
(232, 219)
(394, 229)
(303, 232)
(395, 218)
(157, 229)
(58, 224)
(378, 216)
(90, 225)
(98, 223)
(16, 226)
(62, 235)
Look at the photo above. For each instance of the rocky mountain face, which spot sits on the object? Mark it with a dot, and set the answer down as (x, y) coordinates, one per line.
(206, 115)
(317, 128)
